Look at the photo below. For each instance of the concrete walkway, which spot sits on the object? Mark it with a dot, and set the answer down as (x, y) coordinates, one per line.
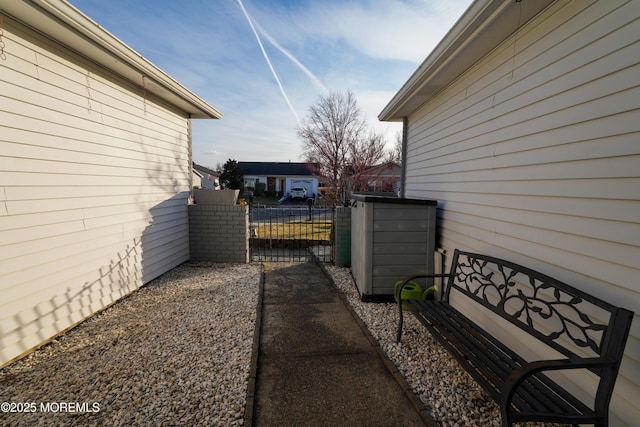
(316, 365)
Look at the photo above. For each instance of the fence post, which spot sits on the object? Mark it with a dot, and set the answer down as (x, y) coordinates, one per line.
(342, 237)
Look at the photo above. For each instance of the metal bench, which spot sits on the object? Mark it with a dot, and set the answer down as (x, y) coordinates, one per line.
(580, 332)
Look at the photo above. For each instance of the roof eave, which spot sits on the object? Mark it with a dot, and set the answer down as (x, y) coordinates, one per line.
(483, 26)
(62, 22)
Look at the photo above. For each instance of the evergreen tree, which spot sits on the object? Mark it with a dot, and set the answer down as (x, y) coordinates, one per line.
(231, 176)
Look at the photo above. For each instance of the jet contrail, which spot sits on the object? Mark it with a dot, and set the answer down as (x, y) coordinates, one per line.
(316, 81)
(266, 57)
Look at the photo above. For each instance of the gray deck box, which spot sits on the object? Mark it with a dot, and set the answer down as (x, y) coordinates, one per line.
(391, 238)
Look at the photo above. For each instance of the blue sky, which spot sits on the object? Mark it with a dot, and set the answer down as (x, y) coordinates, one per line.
(370, 47)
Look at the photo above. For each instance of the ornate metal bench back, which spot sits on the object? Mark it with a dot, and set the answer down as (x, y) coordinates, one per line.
(557, 314)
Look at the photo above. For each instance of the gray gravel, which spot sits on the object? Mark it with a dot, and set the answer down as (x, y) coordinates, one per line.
(451, 396)
(177, 352)
(449, 393)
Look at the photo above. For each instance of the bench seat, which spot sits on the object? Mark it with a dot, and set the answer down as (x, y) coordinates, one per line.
(491, 363)
(586, 333)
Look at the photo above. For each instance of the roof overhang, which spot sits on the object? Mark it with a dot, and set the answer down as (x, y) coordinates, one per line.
(60, 21)
(483, 26)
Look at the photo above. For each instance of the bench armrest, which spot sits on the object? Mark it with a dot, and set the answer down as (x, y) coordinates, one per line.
(518, 376)
(399, 293)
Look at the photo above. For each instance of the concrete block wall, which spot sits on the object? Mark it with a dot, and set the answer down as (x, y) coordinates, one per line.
(219, 233)
(342, 238)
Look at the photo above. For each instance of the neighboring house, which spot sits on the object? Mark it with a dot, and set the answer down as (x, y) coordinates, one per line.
(95, 177)
(279, 178)
(205, 177)
(524, 124)
(383, 178)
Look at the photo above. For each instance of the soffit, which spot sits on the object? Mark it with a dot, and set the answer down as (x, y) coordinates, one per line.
(60, 21)
(484, 25)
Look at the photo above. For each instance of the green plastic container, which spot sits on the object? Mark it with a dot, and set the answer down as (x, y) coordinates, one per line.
(412, 290)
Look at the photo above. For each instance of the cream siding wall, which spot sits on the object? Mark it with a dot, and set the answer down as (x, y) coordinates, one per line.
(534, 156)
(94, 182)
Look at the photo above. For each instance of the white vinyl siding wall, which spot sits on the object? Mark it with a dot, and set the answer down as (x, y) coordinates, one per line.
(536, 158)
(94, 184)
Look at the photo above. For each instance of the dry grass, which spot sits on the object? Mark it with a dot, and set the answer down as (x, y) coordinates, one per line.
(297, 229)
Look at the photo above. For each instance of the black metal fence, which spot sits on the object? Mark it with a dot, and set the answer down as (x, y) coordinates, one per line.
(291, 233)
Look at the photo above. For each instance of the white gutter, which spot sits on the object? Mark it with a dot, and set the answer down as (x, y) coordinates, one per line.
(483, 26)
(60, 21)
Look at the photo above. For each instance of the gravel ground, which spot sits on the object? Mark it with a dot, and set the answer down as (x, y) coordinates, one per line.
(449, 393)
(451, 396)
(177, 352)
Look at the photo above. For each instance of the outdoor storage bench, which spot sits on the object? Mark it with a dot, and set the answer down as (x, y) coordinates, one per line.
(576, 330)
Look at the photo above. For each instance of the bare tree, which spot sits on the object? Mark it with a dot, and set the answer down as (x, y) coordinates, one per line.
(395, 154)
(335, 137)
(219, 167)
(364, 154)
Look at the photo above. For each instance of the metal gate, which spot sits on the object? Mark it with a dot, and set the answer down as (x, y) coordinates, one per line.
(291, 233)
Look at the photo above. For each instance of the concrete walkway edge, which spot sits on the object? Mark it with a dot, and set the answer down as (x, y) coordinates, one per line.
(251, 386)
(399, 379)
(404, 386)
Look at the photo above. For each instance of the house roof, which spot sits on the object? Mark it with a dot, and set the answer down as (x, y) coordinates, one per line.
(388, 168)
(60, 21)
(204, 170)
(484, 25)
(274, 168)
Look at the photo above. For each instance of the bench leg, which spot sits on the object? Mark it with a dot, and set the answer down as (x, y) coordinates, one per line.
(400, 321)
(505, 415)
